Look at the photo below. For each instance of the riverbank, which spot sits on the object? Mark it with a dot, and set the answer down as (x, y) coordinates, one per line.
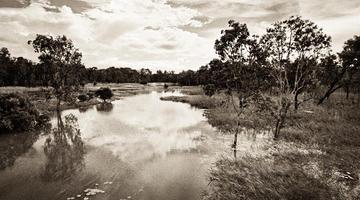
(141, 148)
(317, 155)
(39, 96)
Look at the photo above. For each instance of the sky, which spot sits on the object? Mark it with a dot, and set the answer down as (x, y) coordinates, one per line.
(159, 34)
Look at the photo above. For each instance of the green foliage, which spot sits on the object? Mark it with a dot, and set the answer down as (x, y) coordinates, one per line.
(104, 93)
(18, 114)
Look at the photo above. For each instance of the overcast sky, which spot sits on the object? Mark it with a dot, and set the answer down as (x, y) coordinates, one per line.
(159, 34)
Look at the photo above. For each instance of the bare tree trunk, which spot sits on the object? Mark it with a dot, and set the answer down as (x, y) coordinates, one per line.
(277, 129)
(358, 99)
(347, 90)
(328, 93)
(281, 119)
(58, 104)
(234, 145)
(296, 101)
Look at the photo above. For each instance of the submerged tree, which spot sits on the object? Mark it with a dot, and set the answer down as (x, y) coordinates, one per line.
(63, 60)
(293, 47)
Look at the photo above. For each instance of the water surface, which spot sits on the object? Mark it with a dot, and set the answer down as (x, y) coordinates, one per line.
(137, 148)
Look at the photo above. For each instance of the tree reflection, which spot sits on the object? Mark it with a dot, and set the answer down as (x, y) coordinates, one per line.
(64, 150)
(14, 145)
(104, 107)
(84, 109)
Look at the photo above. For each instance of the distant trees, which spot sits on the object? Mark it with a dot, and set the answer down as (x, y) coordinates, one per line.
(209, 89)
(350, 58)
(15, 71)
(342, 71)
(145, 76)
(4, 65)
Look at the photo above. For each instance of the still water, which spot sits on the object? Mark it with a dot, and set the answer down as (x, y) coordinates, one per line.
(137, 148)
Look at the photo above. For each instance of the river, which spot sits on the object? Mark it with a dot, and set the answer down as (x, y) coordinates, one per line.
(138, 148)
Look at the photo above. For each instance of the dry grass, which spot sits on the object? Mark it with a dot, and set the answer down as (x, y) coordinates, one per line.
(199, 101)
(38, 94)
(317, 157)
(266, 178)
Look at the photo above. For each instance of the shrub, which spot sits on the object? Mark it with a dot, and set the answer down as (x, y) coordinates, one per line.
(209, 89)
(143, 82)
(83, 97)
(17, 113)
(90, 95)
(104, 93)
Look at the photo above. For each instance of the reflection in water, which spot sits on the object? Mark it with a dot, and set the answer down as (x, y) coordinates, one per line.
(14, 145)
(64, 150)
(156, 149)
(84, 109)
(104, 107)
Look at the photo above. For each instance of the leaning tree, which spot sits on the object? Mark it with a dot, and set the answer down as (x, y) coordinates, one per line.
(294, 47)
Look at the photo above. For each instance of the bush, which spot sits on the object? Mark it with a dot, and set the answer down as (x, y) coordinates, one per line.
(143, 82)
(104, 93)
(90, 95)
(17, 113)
(83, 97)
(209, 89)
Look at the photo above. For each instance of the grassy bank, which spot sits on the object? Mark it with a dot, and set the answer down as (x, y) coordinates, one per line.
(39, 96)
(317, 156)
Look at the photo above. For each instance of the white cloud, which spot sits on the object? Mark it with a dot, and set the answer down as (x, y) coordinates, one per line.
(112, 34)
(151, 33)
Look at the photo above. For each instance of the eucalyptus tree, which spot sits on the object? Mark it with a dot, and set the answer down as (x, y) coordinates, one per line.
(331, 75)
(350, 58)
(293, 46)
(240, 71)
(64, 61)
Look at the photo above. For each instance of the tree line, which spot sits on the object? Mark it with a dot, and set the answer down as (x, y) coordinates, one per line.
(293, 57)
(19, 71)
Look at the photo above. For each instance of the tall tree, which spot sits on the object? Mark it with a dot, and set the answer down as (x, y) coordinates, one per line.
(293, 47)
(60, 55)
(240, 70)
